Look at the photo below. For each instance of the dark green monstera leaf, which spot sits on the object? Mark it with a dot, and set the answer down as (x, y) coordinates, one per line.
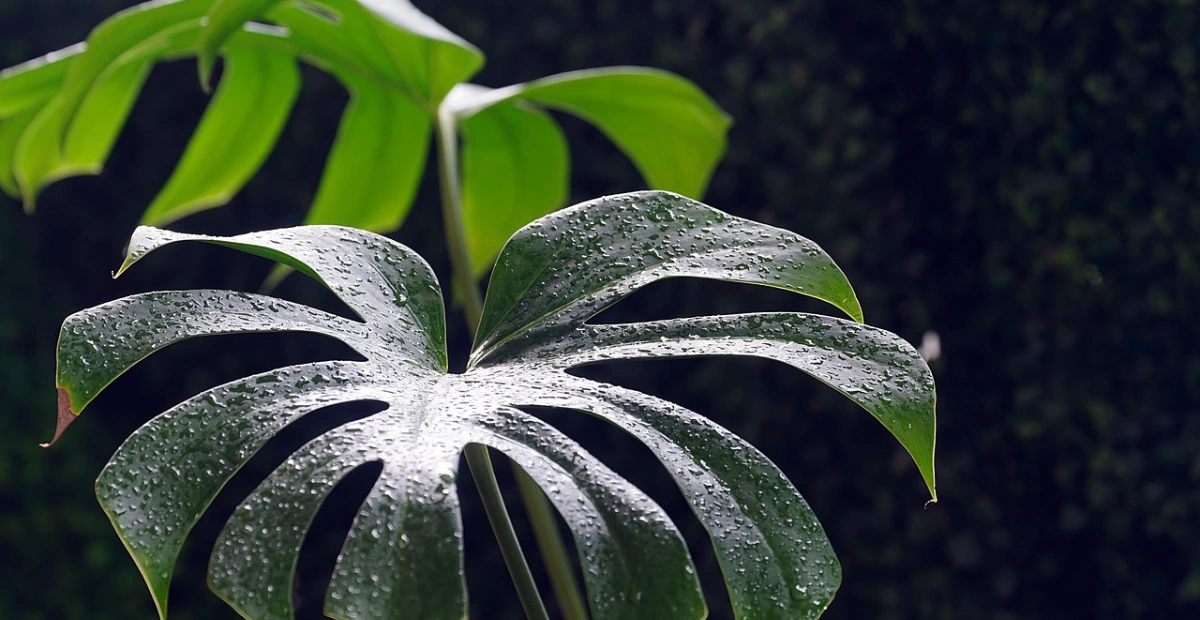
(403, 557)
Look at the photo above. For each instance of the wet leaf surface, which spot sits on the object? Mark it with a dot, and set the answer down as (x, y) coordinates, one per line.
(403, 556)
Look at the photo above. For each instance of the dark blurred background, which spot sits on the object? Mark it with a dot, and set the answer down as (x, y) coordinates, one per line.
(1020, 177)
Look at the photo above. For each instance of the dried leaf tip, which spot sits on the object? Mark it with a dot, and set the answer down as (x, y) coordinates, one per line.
(930, 503)
(65, 416)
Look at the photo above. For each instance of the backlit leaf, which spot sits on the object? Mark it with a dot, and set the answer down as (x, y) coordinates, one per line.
(388, 40)
(672, 131)
(10, 132)
(375, 167)
(40, 154)
(100, 118)
(515, 168)
(33, 83)
(224, 18)
(252, 102)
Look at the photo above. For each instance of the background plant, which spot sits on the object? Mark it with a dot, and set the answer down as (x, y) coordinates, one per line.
(406, 74)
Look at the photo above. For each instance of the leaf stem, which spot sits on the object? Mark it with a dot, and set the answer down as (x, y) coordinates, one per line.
(477, 455)
(462, 281)
(493, 503)
(541, 516)
(554, 552)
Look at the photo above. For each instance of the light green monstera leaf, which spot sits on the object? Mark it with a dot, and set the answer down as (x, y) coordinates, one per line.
(403, 557)
(61, 114)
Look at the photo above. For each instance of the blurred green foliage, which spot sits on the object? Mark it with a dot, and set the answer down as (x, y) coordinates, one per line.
(1019, 177)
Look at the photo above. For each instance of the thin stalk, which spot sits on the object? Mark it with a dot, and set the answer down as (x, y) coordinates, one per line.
(493, 503)
(554, 552)
(462, 280)
(477, 455)
(541, 515)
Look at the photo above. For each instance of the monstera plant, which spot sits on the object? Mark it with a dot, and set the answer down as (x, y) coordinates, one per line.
(403, 556)
(407, 79)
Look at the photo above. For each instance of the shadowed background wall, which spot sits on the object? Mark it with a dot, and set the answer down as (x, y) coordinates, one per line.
(1018, 178)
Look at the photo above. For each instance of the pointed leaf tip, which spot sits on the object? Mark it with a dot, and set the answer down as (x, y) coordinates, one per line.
(65, 417)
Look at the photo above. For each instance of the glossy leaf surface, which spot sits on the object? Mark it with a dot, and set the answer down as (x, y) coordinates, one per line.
(403, 554)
